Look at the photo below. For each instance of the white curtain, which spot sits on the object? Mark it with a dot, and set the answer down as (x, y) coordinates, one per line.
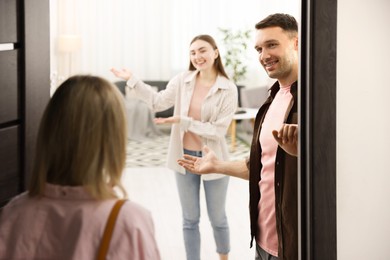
(151, 37)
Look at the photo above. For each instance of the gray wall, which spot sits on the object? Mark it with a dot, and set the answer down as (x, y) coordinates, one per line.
(363, 129)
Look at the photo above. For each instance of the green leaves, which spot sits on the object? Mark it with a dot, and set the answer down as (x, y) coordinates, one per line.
(236, 44)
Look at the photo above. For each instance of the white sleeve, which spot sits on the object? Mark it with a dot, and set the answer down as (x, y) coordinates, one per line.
(157, 101)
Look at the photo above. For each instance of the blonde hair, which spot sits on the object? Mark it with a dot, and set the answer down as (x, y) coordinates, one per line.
(82, 138)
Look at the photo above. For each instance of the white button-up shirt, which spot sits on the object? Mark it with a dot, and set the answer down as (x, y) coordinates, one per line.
(217, 112)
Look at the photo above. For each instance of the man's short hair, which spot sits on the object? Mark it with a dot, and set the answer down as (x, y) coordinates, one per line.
(284, 21)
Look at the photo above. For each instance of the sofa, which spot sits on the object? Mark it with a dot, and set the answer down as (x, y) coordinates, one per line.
(251, 98)
(159, 85)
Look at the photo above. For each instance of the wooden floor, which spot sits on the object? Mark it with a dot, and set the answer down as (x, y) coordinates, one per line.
(155, 189)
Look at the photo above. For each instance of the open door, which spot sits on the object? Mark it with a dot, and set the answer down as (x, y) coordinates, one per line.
(24, 88)
(317, 161)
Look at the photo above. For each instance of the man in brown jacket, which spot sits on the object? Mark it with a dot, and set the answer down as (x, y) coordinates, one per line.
(272, 166)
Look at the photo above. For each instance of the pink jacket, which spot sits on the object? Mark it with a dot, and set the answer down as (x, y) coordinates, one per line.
(67, 223)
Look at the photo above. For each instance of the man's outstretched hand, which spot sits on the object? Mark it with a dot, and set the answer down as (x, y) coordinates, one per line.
(199, 165)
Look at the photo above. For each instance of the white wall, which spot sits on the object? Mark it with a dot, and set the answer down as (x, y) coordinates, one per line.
(151, 37)
(363, 129)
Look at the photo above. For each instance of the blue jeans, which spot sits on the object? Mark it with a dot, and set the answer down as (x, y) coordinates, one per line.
(261, 254)
(215, 191)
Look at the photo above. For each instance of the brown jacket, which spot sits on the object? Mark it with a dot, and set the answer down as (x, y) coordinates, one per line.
(286, 182)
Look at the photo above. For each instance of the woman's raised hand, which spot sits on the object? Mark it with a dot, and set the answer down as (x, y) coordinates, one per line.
(124, 74)
(167, 120)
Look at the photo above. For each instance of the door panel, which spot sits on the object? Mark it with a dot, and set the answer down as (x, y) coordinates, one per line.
(8, 21)
(8, 86)
(9, 166)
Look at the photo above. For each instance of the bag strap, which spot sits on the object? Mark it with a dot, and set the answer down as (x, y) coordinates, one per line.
(105, 243)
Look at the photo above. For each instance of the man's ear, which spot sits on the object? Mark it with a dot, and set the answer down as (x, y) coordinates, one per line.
(296, 43)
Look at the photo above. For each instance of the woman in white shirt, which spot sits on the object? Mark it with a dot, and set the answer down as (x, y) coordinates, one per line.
(204, 101)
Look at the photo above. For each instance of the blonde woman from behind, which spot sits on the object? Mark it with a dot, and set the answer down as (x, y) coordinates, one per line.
(76, 179)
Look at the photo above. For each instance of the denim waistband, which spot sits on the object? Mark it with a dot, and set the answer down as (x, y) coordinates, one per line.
(193, 153)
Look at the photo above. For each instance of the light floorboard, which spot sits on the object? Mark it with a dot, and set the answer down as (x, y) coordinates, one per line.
(155, 189)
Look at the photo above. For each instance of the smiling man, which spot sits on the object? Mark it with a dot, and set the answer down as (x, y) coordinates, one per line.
(272, 166)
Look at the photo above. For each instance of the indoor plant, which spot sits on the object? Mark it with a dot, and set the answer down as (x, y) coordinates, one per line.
(235, 44)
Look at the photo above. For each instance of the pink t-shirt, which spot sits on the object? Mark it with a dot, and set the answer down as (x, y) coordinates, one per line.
(268, 238)
(67, 223)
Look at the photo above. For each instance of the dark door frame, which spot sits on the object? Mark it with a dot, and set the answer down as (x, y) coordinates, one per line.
(25, 29)
(317, 160)
(35, 76)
